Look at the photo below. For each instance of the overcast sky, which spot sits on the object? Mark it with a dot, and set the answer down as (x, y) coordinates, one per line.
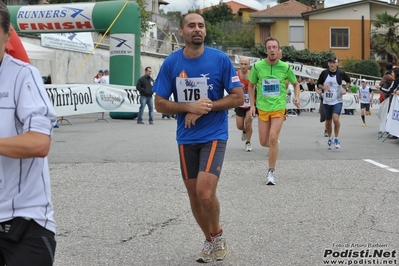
(184, 6)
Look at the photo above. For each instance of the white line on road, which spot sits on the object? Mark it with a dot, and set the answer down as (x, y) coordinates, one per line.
(382, 165)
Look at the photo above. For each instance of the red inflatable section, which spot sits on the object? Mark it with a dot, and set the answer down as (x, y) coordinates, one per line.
(15, 48)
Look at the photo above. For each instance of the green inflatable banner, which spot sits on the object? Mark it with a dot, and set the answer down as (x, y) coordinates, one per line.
(122, 17)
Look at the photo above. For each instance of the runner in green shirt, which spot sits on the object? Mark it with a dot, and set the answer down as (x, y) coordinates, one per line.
(270, 77)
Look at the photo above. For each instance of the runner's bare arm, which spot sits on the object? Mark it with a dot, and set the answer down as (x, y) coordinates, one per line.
(251, 94)
(234, 99)
(27, 145)
(200, 107)
(297, 91)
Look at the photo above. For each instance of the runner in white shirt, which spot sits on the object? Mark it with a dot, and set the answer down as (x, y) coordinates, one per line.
(330, 81)
(366, 95)
(27, 119)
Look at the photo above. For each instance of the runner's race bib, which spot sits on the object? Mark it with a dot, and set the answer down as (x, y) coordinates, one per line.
(246, 100)
(271, 87)
(330, 95)
(191, 89)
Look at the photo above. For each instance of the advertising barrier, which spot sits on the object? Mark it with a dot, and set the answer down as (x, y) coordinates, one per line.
(310, 71)
(314, 72)
(75, 99)
(310, 99)
(392, 121)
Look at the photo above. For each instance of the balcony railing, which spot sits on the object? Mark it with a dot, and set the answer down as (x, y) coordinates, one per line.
(153, 45)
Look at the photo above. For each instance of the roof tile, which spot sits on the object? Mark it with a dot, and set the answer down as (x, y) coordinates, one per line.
(290, 7)
(235, 7)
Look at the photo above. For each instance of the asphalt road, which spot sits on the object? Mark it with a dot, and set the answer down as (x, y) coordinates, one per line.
(119, 198)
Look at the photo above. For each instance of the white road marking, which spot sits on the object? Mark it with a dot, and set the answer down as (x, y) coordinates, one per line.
(382, 165)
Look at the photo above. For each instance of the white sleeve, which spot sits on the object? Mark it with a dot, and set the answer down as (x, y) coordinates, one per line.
(33, 107)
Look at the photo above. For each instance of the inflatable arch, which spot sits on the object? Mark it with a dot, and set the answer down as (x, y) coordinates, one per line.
(15, 48)
(124, 16)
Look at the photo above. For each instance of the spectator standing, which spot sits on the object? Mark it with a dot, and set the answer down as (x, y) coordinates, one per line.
(198, 77)
(105, 77)
(311, 85)
(386, 82)
(27, 225)
(290, 91)
(144, 86)
(303, 83)
(387, 86)
(353, 87)
(97, 78)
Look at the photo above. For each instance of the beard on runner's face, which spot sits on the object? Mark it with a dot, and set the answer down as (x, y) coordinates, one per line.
(272, 56)
(197, 39)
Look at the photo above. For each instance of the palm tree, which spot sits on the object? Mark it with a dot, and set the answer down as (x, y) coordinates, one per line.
(385, 38)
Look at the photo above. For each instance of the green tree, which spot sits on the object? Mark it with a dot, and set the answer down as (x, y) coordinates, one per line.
(349, 65)
(214, 35)
(368, 67)
(258, 51)
(384, 39)
(177, 15)
(145, 17)
(215, 17)
(290, 54)
(218, 13)
(238, 33)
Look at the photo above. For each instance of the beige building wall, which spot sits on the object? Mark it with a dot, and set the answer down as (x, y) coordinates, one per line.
(245, 16)
(280, 31)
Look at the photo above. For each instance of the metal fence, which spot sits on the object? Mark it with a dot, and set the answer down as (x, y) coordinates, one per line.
(153, 45)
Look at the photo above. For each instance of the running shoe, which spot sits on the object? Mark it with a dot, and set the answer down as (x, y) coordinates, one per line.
(329, 143)
(248, 146)
(325, 133)
(243, 136)
(337, 144)
(363, 124)
(270, 178)
(220, 248)
(206, 255)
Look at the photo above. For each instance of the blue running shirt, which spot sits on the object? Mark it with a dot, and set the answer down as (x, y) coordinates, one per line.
(216, 68)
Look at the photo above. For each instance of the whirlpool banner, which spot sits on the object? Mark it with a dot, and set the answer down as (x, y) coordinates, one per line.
(75, 99)
(311, 100)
